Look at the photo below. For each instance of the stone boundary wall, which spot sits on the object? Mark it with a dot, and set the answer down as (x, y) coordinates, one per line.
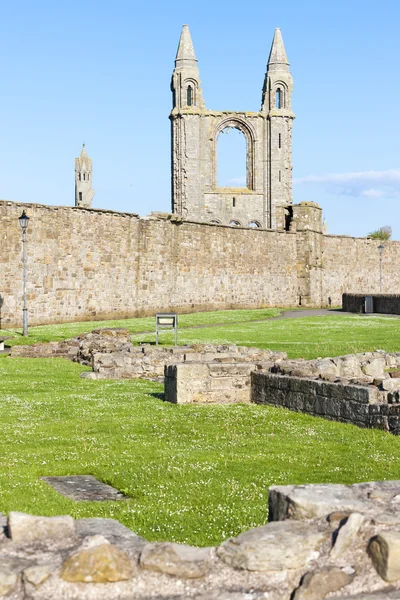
(87, 264)
(363, 406)
(333, 541)
(388, 304)
(352, 264)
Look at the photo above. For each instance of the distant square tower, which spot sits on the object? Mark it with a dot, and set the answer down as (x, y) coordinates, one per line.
(83, 180)
(264, 200)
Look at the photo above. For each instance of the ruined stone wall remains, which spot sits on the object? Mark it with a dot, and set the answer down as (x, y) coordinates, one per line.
(362, 389)
(388, 304)
(208, 382)
(333, 541)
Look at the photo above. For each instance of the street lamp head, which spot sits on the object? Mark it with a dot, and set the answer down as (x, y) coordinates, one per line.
(381, 248)
(23, 221)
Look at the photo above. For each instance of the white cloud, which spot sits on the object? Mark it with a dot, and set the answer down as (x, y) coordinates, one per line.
(373, 193)
(384, 183)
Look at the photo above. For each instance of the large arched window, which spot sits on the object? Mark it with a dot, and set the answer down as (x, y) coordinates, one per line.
(231, 160)
(189, 95)
(234, 224)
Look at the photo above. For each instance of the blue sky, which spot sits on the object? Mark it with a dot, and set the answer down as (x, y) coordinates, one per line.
(99, 72)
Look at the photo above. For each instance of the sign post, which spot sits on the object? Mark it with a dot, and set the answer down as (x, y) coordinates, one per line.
(167, 321)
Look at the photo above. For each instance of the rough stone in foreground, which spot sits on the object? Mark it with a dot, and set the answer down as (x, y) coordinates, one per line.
(175, 559)
(273, 547)
(8, 581)
(317, 584)
(346, 535)
(309, 502)
(384, 550)
(37, 574)
(386, 594)
(27, 528)
(100, 564)
(116, 533)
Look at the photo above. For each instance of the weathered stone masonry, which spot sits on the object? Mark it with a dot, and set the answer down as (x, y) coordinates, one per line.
(94, 264)
(322, 541)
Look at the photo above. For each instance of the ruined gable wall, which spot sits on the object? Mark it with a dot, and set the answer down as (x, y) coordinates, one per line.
(352, 265)
(93, 264)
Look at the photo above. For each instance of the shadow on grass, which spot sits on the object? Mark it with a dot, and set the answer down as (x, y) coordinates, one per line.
(158, 395)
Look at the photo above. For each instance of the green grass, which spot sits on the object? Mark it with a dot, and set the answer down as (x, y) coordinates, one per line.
(308, 337)
(194, 474)
(47, 333)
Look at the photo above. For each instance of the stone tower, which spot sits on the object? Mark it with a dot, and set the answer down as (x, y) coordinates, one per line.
(83, 180)
(266, 198)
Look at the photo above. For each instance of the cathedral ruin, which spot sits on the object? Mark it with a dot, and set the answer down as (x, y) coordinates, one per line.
(265, 200)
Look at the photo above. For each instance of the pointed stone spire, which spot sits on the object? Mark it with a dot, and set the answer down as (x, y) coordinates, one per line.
(277, 57)
(278, 82)
(185, 83)
(185, 56)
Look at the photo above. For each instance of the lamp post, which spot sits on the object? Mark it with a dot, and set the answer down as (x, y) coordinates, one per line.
(381, 248)
(23, 221)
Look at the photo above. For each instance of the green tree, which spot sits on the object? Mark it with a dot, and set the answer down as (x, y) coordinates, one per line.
(383, 233)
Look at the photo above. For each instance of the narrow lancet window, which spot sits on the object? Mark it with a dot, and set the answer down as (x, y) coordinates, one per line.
(79, 177)
(278, 98)
(189, 95)
(279, 141)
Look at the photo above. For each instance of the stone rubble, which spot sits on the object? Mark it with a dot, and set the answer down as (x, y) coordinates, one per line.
(322, 541)
(112, 355)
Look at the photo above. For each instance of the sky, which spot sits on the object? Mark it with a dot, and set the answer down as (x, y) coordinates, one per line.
(99, 72)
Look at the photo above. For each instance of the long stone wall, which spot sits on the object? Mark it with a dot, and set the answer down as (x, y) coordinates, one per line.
(95, 264)
(90, 264)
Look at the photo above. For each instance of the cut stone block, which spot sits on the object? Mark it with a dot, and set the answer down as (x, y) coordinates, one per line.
(83, 488)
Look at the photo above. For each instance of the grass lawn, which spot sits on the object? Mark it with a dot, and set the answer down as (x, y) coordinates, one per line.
(307, 337)
(47, 333)
(194, 474)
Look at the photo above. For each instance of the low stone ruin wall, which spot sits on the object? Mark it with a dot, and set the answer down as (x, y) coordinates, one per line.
(346, 403)
(388, 304)
(362, 389)
(149, 361)
(321, 541)
(112, 355)
(208, 382)
(81, 348)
